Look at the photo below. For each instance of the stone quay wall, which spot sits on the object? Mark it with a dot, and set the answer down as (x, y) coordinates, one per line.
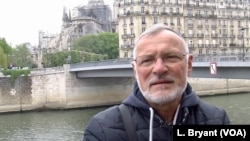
(57, 88)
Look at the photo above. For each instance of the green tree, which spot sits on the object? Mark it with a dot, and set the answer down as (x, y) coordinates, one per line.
(21, 56)
(5, 51)
(3, 59)
(5, 47)
(69, 57)
(102, 43)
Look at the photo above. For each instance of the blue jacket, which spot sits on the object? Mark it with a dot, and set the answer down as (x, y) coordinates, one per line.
(108, 125)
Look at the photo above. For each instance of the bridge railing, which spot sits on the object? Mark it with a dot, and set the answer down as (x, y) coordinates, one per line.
(221, 57)
(103, 63)
(47, 70)
(196, 58)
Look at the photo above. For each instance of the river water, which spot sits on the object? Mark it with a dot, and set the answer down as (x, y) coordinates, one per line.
(69, 125)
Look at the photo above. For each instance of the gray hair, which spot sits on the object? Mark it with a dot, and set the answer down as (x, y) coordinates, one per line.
(156, 28)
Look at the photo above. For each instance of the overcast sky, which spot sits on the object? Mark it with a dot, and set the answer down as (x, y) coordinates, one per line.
(21, 20)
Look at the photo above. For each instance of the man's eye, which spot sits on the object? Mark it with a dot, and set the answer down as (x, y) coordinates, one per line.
(146, 60)
(172, 56)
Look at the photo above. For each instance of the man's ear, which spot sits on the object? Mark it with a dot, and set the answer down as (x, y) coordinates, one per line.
(190, 64)
(134, 68)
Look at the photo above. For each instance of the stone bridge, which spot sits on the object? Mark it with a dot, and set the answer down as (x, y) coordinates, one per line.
(72, 86)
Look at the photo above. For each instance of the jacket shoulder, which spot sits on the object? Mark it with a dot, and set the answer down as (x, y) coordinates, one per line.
(211, 114)
(108, 116)
(104, 124)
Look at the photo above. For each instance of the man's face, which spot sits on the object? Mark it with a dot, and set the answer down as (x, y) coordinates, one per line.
(161, 67)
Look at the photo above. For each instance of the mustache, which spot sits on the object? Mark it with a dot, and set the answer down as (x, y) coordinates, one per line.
(156, 79)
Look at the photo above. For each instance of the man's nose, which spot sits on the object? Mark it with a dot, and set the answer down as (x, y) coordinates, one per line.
(159, 66)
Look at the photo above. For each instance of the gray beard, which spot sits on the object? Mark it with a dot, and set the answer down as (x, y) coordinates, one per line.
(164, 98)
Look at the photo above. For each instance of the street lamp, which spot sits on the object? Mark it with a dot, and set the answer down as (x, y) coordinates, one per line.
(242, 30)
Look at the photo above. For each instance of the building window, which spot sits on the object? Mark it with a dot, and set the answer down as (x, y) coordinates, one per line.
(231, 41)
(155, 9)
(207, 42)
(164, 10)
(171, 10)
(231, 23)
(125, 54)
(213, 23)
(125, 31)
(239, 24)
(197, 3)
(200, 43)
(131, 10)
(143, 29)
(179, 30)
(131, 30)
(177, 11)
(132, 41)
(199, 31)
(199, 23)
(231, 13)
(178, 21)
(190, 12)
(206, 33)
(224, 42)
(190, 22)
(169, 1)
(207, 51)
(155, 20)
(190, 33)
(231, 32)
(142, 10)
(171, 21)
(165, 20)
(214, 52)
(212, 13)
(206, 13)
(198, 12)
(143, 20)
(200, 51)
(176, 2)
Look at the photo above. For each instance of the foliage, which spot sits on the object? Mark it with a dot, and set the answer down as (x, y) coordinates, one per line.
(70, 57)
(5, 50)
(20, 56)
(15, 73)
(102, 43)
(3, 59)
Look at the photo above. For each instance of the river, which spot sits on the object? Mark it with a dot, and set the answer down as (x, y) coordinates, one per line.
(68, 125)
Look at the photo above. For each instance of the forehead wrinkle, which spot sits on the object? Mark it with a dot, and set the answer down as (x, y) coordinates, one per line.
(168, 39)
(177, 37)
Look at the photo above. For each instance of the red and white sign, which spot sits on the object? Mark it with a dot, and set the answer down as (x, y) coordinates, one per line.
(213, 68)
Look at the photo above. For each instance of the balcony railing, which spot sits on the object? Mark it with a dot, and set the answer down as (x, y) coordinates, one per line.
(200, 35)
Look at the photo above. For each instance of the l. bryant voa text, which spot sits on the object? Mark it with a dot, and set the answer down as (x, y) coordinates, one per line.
(216, 132)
